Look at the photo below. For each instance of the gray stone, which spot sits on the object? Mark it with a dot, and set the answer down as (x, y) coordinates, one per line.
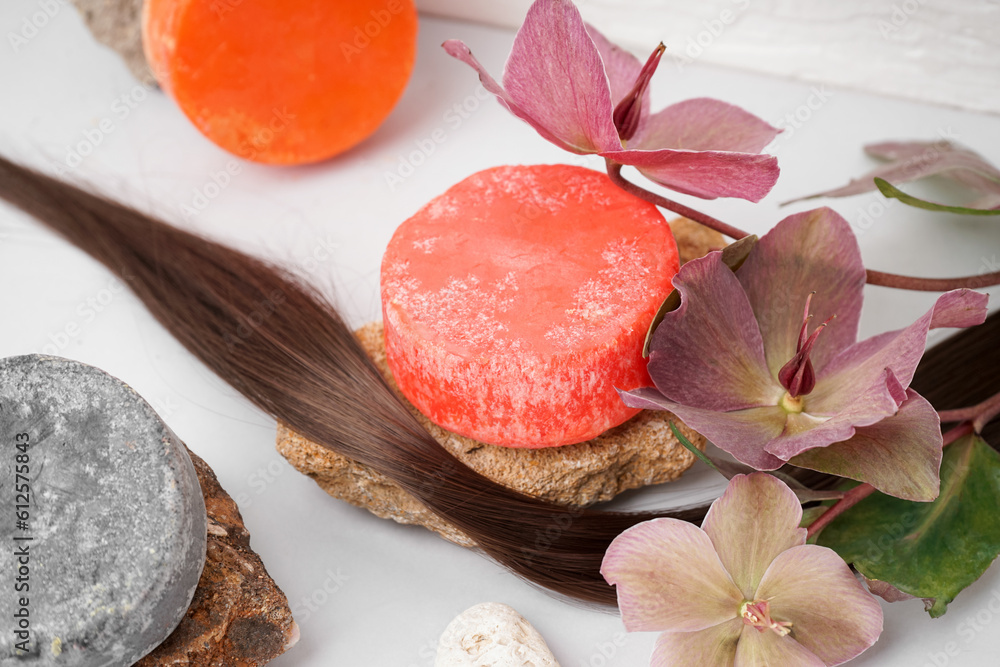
(115, 516)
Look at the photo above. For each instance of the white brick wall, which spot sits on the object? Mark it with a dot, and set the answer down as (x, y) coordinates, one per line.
(940, 51)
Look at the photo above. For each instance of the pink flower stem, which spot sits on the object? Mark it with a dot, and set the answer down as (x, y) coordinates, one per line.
(873, 277)
(932, 284)
(978, 414)
(850, 499)
(862, 491)
(953, 434)
(615, 172)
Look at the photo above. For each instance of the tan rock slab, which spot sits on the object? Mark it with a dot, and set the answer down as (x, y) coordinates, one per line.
(641, 452)
(694, 239)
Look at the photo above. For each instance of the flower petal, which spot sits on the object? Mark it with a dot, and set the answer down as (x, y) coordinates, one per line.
(918, 159)
(708, 352)
(704, 124)
(959, 308)
(705, 174)
(886, 591)
(709, 647)
(621, 67)
(669, 577)
(646, 398)
(765, 649)
(810, 251)
(818, 428)
(912, 160)
(459, 50)
(742, 433)
(899, 456)
(859, 366)
(556, 75)
(832, 614)
(756, 519)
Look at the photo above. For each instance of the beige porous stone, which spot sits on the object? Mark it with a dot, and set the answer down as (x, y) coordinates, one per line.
(694, 239)
(640, 452)
(118, 25)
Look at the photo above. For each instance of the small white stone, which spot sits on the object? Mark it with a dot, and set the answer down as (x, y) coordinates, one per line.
(492, 634)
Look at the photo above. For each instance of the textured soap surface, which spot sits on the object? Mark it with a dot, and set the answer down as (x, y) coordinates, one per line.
(115, 522)
(516, 302)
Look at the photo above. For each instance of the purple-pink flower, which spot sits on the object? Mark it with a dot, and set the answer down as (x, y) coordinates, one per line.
(744, 588)
(914, 160)
(742, 362)
(586, 95)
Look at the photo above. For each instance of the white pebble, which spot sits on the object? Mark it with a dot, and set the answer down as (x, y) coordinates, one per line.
(492, 634)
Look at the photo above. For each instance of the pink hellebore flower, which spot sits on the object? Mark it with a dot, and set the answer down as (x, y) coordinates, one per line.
(743, 589)
(565, 79)
(737, 363)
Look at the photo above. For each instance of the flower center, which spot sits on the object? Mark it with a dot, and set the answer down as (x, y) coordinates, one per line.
(629, 109)
(797, 376)
(791, 404)
(758, 615)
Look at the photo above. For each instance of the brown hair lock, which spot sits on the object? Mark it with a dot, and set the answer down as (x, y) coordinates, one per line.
(304, 367)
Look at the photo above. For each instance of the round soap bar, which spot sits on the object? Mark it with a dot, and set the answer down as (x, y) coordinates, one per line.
(103, 523)
(516, 302)
(282, 81)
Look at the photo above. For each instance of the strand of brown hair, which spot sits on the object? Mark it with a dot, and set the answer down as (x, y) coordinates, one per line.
(303, 366)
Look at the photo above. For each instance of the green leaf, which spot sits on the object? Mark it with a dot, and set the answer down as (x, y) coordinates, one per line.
(733, 256)
(892, 192)
(691, 448)
(929, 550)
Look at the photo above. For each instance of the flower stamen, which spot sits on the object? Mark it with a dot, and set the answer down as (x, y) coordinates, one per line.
(758, 615)
(797, 376)
(629, 109)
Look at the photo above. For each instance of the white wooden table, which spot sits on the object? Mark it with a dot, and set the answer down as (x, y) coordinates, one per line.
(368, 592)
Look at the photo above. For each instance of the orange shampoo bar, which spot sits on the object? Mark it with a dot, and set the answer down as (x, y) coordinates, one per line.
(282, 81)
(516, 302)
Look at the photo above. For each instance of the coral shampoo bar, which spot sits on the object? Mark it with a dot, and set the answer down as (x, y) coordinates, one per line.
(516, 302)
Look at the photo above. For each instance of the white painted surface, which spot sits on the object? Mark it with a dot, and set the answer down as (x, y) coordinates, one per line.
(941, 51)
(368, 592)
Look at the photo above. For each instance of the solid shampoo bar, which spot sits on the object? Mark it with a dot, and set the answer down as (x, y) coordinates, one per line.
(516, 302)
(104, 521)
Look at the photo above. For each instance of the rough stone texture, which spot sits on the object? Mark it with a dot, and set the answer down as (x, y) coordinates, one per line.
(113, 509)
(694, 239)
(638, 453)
(118, 25)
(238, 617)
(492, 634)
